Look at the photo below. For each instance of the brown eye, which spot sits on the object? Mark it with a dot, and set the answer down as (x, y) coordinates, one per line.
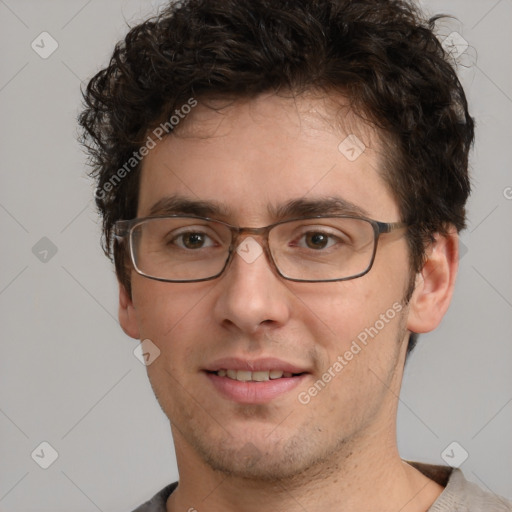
(193, 240)
(316, 240)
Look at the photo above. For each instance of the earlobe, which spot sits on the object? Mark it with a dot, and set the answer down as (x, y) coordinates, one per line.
(127, 316)
(434, 284)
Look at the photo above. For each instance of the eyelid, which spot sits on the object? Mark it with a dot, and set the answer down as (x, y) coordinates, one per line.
(318, 227)
(326, 229)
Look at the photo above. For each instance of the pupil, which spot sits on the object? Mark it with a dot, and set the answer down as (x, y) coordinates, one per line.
(193, 240)
(316, 240)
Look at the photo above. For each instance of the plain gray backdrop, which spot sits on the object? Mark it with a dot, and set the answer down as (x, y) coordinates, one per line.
(68, 373)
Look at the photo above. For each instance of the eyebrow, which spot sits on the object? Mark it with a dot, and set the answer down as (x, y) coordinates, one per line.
(178, 204)
(303, 207)
(296, 208)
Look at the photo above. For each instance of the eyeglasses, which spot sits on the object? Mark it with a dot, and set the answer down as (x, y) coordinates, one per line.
(185, 249)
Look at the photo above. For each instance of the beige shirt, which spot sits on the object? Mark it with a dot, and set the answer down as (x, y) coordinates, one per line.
(459, 495)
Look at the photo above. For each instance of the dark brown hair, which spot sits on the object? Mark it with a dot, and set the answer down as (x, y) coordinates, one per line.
(382, 55)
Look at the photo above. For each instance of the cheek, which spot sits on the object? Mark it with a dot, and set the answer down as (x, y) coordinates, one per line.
(338, 312)
(173, 318)
(359, 321)
(359, 353)
(169, 312)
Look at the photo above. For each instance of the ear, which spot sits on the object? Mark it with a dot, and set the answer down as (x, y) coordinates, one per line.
(127, 315)
(435, 283)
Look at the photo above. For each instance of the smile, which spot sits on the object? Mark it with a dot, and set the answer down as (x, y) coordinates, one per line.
(258, 376)
(254, 381)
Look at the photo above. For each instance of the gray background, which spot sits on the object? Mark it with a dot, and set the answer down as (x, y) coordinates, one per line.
(68, 373)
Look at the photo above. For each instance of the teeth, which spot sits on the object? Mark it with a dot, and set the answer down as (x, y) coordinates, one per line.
(247, 376)
(243, 375)
(260, 376)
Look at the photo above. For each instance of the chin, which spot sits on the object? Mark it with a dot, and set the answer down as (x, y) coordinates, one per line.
(260, 460)
(253, 466)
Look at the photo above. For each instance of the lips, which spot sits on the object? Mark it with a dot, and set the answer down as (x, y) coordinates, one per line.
(265, 364)
(259, 376)
(254, 382)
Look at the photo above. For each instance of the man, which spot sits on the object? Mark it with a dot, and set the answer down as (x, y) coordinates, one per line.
(282, 184)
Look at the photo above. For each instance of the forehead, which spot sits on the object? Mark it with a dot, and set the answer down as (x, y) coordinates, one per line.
(252, 157)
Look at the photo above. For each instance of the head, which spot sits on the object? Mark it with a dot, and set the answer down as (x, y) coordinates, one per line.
(245, 106)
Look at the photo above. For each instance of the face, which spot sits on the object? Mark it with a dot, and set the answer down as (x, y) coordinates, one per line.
(342, 341)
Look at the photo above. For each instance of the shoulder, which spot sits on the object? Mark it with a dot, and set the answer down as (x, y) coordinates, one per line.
(459, 494)
(464, 496)
(158, 502)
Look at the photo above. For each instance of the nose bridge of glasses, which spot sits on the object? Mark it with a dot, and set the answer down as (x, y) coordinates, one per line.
(250, 244)
(259, 235)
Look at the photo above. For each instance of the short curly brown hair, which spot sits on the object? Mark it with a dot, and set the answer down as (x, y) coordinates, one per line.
(382, 55)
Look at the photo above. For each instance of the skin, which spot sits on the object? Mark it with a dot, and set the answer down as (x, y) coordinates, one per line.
(339, 451)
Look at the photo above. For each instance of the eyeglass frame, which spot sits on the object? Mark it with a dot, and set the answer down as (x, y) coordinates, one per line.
(123, 229)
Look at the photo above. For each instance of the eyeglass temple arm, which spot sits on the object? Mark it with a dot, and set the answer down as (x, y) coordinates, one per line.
(121, 229)
(387, 227)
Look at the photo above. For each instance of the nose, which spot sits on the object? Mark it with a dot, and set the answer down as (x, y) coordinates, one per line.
(251, 295)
